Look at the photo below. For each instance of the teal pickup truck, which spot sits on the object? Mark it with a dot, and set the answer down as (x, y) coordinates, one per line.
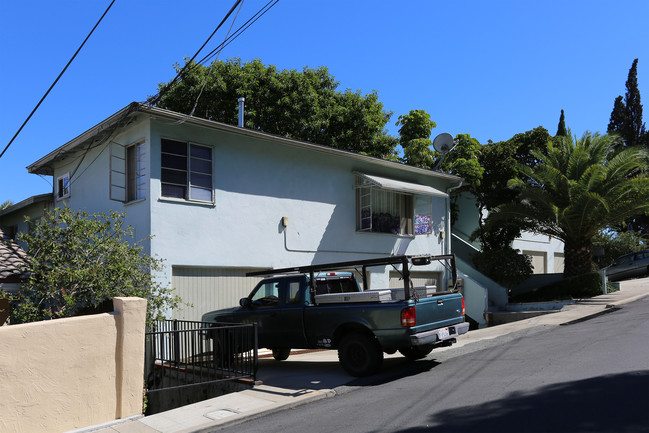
(313, 306)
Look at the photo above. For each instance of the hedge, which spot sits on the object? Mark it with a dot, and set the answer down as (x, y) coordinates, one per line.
(581, 286)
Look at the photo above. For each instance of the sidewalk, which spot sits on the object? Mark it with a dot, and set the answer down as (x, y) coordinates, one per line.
(313, 375)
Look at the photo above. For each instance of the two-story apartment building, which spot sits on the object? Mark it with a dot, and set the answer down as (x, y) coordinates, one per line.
(221, 200)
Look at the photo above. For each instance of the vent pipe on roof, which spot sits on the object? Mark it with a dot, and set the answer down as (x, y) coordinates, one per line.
(241, 101)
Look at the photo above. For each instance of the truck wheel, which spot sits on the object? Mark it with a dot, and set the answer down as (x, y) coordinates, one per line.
(359, 354)
(414, 353)
(281, 354)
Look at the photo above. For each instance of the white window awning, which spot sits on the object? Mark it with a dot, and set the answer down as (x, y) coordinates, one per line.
(398, 185)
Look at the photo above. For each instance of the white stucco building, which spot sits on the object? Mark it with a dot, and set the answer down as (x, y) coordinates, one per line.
(221, 200)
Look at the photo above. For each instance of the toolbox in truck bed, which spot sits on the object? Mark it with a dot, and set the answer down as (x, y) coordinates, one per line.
(369, 296)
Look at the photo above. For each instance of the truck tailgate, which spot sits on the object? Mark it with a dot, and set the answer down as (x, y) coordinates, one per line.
(438, 311)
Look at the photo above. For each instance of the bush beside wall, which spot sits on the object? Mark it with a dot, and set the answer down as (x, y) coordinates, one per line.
(581, 286)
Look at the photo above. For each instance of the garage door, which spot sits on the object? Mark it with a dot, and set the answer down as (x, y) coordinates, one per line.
(419, 279)
(559, 263)
(207, 289)
(539, 261)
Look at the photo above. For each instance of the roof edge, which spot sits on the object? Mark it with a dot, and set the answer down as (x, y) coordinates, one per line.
(37, 167)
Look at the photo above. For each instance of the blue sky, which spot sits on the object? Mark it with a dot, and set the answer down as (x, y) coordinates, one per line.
(487, 68)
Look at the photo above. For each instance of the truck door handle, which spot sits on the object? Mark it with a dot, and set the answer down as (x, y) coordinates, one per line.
(440, 302)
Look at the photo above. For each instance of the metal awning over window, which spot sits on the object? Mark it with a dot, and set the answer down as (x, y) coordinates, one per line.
(400, 186)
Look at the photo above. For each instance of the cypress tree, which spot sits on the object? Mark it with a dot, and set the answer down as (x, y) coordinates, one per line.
(626, 117)
(561, 129)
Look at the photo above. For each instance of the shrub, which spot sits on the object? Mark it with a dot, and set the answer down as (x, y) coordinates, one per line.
(581, 286)
(505, 266)
(78, 263)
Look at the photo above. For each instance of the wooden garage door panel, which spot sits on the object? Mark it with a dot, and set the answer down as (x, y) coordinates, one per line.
(207, 289)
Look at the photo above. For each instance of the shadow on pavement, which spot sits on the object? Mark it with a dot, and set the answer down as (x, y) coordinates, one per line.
(612, 403)
(317, 374)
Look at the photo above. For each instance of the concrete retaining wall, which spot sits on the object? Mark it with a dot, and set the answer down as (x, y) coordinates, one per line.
(64, 374)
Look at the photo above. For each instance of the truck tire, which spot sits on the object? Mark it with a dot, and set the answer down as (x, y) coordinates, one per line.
(414, 353)
(282, 353)
(360, 354)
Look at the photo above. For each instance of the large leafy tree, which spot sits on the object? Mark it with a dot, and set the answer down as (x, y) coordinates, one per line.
(77, 263)
(304, 105)
(578, 188)
(414, 138)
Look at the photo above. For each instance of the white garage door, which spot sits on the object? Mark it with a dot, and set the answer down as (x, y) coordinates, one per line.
(559, 263)
(539, 261)
(207, 289)
(419, 279)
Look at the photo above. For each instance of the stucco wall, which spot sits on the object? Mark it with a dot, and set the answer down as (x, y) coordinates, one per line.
(65, 374)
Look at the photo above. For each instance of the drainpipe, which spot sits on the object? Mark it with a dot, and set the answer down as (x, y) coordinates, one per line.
(448, 216)
(241, 101)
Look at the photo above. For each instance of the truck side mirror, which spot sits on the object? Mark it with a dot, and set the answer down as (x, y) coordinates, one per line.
(244, 302)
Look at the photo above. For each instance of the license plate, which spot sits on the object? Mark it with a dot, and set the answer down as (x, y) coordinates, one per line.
(443, 333)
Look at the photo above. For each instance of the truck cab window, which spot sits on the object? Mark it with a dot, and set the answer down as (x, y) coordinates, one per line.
(266, 294)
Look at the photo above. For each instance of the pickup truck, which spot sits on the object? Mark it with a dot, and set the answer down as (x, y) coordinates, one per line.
(313, 307)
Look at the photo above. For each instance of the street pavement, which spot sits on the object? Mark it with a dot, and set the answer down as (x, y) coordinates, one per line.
(312, 375)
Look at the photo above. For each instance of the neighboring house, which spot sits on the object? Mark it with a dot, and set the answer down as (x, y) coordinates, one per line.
(220, 200)
(546, 252)
(13, 219)
(12, 261)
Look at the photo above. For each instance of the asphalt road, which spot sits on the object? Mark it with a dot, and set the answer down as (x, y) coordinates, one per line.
(591, 376)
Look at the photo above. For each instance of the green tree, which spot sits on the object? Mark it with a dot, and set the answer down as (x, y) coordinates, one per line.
(77, 263)
(6, 204)
(501, 162)
(627, 121)
(414, 138)
(578, 188)
(302, 105)
(562, 131)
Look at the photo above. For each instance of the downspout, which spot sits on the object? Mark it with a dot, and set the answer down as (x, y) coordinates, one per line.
(448, 216)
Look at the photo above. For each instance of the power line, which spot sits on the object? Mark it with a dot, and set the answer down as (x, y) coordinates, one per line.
(156, 98)
(261, 12)
(189, 66)
(57, 79)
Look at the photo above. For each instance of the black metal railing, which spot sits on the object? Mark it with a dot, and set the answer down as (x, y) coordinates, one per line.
(181, 353)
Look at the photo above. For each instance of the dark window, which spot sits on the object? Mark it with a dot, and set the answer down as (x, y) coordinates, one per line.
(186, 170)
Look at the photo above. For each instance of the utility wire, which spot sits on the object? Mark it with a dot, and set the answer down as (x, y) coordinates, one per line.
(261, 12)
(156, 98)
(189, 66)
(209, 72)
(57, 79)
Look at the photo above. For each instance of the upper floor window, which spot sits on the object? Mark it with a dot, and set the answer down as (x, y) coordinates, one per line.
(63, 186)
(392, 206)
(135, 179)
(186, 170)
(383, 211)
(127, 171)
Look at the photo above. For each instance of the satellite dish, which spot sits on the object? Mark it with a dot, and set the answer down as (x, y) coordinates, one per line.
(443, 143)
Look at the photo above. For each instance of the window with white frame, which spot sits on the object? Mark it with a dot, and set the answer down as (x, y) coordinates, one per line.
(63, 186)
(383, 211)
(186, 170)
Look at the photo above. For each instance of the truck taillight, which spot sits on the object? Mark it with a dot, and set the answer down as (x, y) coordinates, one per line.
(408, 317)
(463, 309)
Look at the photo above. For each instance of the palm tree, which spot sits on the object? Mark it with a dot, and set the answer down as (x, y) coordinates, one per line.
(579, 187)
(6, 204)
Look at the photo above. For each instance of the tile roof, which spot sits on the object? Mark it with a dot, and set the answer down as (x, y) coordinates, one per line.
(12, 257)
